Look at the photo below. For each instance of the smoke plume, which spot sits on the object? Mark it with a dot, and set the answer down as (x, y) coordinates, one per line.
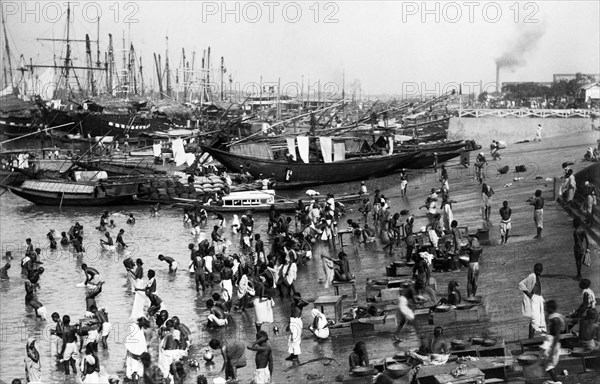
(526, 41)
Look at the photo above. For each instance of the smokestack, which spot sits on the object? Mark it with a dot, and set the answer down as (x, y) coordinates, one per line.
(498, 90)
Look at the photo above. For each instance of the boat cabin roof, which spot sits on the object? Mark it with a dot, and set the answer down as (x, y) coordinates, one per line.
(250, 198)
(268, 194)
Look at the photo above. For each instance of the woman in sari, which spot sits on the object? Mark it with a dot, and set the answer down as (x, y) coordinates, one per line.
(33, 368)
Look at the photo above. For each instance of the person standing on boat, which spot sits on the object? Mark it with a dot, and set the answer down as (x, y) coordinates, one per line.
(288, 174)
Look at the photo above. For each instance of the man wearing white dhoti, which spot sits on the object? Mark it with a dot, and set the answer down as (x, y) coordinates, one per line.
(140, 298)
(263, 305)
(551, 346)
(533, 302)
(136, 344)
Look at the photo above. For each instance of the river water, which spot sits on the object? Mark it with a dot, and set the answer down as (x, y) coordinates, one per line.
(149, 237)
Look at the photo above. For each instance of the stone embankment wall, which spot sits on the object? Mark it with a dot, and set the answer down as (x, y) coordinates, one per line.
(511, 130)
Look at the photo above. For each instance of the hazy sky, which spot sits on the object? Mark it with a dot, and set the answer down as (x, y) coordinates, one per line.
(391, 46)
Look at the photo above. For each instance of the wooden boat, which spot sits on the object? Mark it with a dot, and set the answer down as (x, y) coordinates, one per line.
(18, 117)
(426, 159)
(312, 173)
(124, 167)
(261, 201)
(67, 193)
(11, 177)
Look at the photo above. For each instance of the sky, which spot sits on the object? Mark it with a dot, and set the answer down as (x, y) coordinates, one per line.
(391, 47)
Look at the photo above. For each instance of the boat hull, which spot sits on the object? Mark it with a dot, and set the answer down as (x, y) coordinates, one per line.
(98, 124)
(12, 126)
(288, 205)
(57, 199)
(313, 173)
(427, 159)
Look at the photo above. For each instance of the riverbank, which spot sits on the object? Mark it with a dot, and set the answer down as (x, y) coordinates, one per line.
(502, 268)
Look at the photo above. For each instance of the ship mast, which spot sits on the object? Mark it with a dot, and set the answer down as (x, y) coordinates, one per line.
(222, 73)
(88, 54)
(167, 67)
(68, 54)
(111, 65)
(208, 74)
(184, 75)
(141, 76)
(10, 72)
(98, 42)
(158, 66)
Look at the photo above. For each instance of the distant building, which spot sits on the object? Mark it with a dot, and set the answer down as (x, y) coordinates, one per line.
(590, 92)
(571, 76)
(513, 83)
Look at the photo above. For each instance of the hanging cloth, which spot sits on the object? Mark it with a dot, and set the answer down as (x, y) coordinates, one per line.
(291, 146)
(157, 149)
(178, 152)
(326, 147)
(339, 151)
(391, 144)
(303, 147)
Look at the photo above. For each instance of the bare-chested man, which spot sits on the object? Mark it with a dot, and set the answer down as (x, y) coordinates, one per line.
(263, 359)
